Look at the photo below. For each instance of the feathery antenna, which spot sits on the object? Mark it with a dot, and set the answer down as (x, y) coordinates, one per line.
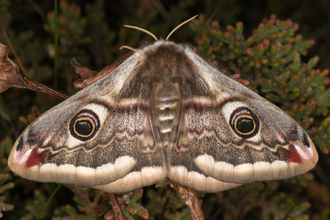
(177, 27)
(143, 30)
(152, 35)
(127, 47)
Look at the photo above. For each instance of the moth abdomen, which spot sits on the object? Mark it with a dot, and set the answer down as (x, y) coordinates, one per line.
(166, 109)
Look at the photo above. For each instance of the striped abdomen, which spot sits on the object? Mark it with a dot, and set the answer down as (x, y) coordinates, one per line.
(166, 109)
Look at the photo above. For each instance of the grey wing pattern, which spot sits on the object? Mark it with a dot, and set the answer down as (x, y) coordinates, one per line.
(233, 135)
(100, 135)
(164, 112)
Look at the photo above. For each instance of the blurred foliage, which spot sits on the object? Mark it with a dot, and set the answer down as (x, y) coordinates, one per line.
(5, 176)
(273, 58)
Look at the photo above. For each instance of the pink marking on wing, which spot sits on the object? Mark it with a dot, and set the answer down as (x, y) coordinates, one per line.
(34, 158)
(133, 105)
(198, 104)
(292, 155)
(305, 152)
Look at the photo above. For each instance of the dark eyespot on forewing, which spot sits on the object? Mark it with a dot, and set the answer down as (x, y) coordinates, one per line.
(84, 125)
(244, 122)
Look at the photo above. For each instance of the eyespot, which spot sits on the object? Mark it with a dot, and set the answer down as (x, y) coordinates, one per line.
(84, 125)
(244, 122)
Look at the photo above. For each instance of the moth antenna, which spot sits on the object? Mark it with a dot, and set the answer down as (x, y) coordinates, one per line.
(127, 47)
(177, 27)
(143, 30)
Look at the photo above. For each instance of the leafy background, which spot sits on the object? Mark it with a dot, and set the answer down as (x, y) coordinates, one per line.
(272, 57)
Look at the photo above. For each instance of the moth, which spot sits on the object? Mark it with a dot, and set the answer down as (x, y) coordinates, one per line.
(163, 113)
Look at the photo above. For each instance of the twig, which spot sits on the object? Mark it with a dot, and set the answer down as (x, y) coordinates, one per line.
(10, 77)
(38, 87)
(190, 198)
(119, 215)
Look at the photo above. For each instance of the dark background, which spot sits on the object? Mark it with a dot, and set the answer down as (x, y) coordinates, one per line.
(92, 31)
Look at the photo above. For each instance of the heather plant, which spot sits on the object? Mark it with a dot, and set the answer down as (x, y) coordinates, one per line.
(272, 61)
(5, 176)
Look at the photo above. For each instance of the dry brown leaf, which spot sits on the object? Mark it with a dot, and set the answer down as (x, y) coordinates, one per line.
(88, 77)
(10, 77)
(9, 72)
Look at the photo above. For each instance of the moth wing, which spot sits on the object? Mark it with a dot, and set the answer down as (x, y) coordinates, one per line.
(99, 135)
(229, 133)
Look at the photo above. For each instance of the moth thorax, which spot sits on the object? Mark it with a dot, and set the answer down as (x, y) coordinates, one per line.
(166, 110)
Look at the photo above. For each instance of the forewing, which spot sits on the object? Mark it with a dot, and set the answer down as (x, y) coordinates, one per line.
(99, 135)
(229, 133)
